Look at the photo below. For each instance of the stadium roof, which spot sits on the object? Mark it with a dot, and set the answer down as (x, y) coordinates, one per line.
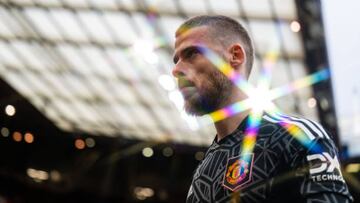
(104, 67)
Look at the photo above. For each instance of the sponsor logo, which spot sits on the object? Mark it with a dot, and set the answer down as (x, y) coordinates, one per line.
(323, 167)
(238, 171)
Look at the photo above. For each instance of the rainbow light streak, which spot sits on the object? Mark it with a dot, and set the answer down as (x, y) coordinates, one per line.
(300, 136)
(251, 134)
(226, 69)
(230, 110)
(272, 109)
(182, 30)
(255, 115)
(269, 62)
(300, 83)
(241, 106)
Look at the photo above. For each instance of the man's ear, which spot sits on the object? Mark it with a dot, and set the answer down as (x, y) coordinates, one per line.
(237, 56)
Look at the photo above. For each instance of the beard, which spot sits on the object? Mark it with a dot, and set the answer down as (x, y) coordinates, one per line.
(211, 97)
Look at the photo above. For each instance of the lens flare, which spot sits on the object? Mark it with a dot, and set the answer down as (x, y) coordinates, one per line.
(260, 99)
(251, 134)
(230, 110)
(300, 83)
(304, 138)
(226, 69)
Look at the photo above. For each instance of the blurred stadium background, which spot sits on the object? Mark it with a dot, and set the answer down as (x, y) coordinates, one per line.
(91, 113)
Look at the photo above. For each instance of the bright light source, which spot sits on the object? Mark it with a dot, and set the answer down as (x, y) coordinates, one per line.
(37, 175)
(353, 168)
(29, 138)
(167, 82)
(145, 48)
(324, 103)
(90, 142)
(17, 136)
(168, 151)
(147, 152)
(199, 156)
(311, 102)
(260, 100)
(142, 193)
(55, 175)
(10, 110)
(5, 132)
(295, 26)
(79, 144)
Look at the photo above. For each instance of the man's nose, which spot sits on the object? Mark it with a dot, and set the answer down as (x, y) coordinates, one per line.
(178, 70)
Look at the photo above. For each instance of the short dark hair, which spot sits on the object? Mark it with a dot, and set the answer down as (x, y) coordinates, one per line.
(225, 29)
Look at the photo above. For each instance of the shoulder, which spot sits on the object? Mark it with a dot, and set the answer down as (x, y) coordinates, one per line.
(301, 136)
(312, 155)
(302, 128)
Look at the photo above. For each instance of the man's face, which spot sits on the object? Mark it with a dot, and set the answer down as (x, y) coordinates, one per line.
(203, 86)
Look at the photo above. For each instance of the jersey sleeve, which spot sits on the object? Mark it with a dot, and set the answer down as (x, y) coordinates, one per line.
(318, 170)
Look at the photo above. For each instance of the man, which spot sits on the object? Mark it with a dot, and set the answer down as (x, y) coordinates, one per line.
(280, 168)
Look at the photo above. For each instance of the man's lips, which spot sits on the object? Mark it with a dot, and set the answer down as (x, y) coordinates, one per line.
(187, 91)
(186, 87)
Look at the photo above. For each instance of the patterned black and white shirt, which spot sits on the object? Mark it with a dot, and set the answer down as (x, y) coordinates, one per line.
(280, 169)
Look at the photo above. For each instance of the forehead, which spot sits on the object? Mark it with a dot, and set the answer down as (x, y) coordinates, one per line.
(196, 35)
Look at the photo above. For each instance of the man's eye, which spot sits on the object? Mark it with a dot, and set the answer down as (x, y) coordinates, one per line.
(191, 54)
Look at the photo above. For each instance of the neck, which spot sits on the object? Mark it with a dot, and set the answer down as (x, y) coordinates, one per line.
(228, 125)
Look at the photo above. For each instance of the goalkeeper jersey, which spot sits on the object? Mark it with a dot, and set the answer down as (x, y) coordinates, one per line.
(294, 160)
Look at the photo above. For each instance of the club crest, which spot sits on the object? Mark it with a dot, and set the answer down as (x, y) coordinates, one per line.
(238, 171)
